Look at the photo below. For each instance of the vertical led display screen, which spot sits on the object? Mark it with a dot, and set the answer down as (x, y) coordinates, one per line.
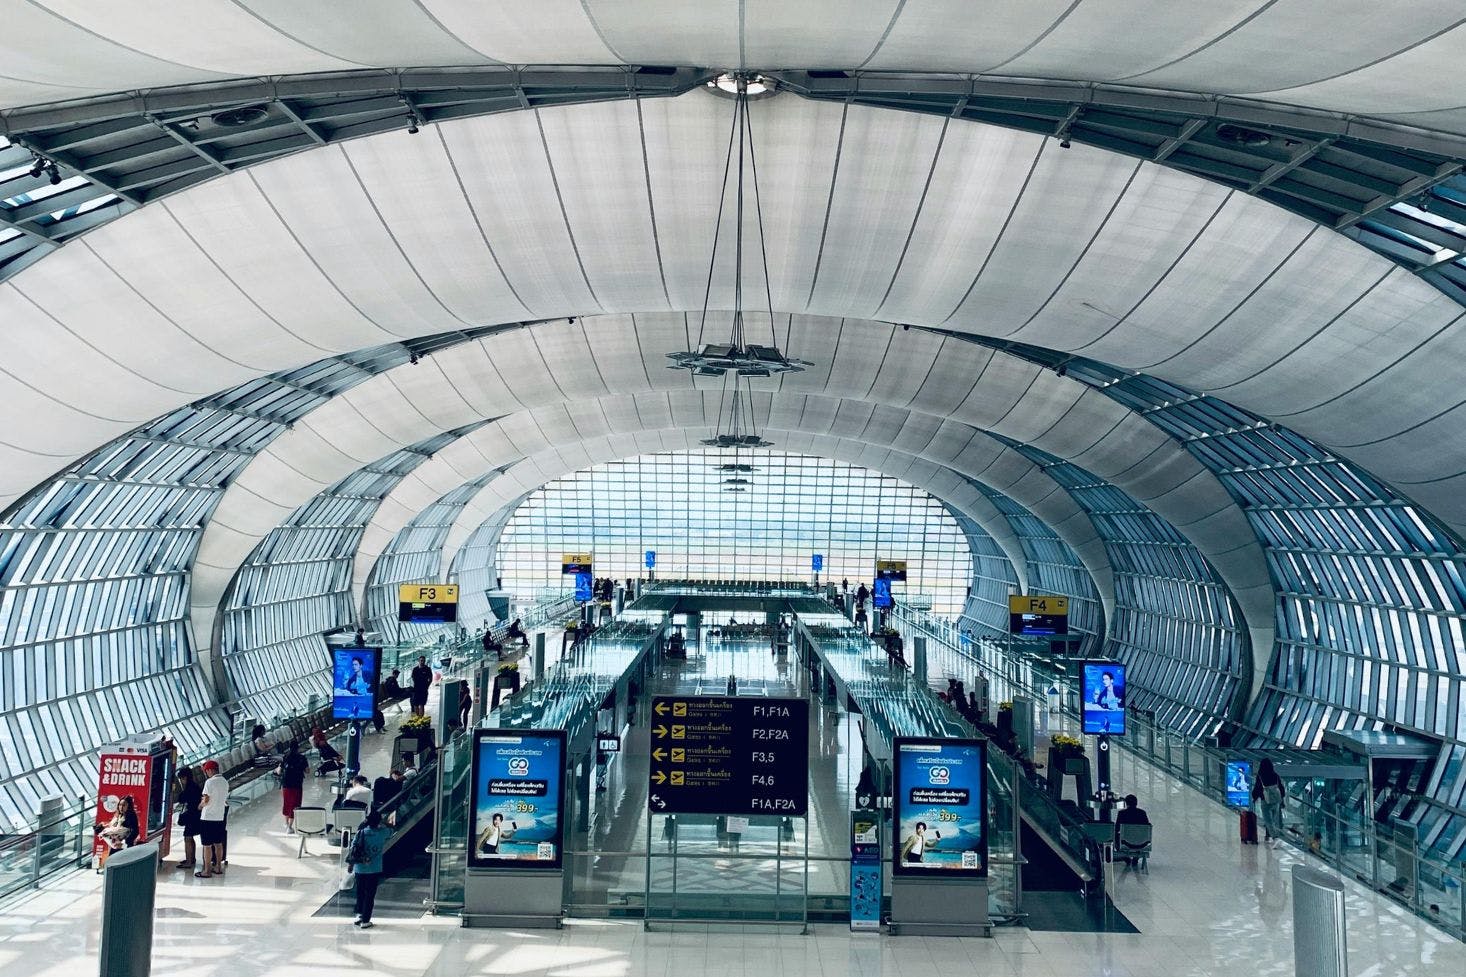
(1239, 783)
(1102, 691)
(516, 809)
(941, 808)
(354, 675)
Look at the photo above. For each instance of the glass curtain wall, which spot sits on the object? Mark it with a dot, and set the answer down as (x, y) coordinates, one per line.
(296, 587)
(706, 517)
(993, 580)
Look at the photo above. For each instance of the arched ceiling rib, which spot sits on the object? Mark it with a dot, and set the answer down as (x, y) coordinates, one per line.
(914, 387)
(1383, 60)
(508, 442)
(868, 212)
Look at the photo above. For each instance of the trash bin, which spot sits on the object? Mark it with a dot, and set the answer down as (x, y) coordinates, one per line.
(1319, 948)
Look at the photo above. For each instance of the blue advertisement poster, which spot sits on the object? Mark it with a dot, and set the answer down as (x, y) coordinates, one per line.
(881, 591)
(941, 808)
(354, 675)
(1239, 783)
(1103, 694)
(584, 585)
(515, 810)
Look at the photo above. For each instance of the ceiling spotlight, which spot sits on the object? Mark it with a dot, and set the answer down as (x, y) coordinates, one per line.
(38, 164)
(412, 358)
(55, 174)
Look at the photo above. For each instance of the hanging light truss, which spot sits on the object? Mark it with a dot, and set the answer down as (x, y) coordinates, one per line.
(738, 357)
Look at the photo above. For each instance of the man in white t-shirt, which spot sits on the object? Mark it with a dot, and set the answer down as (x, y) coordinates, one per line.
(212, 809)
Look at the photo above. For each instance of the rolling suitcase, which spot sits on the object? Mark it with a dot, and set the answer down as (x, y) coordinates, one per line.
(1248, 821)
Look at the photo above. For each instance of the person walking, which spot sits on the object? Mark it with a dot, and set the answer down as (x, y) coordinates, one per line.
(365, 856)
(422, 680)
(292, 783)
(1267, 788)
(213, 805)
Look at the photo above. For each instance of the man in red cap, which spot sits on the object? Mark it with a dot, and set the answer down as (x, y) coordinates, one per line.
(212, 808)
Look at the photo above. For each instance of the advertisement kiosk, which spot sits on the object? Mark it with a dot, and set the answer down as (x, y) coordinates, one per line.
(516, 829)
(141, 770)
(939, 854)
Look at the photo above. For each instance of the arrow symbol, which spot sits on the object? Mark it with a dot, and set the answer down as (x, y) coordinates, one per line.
(660, 731)
(659, 778)
(660, 708)
(657, 800)
(659, 754)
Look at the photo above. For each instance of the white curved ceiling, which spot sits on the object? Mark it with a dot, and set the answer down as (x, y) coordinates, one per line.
(907, 389)
(1349, 56)
(869, 213)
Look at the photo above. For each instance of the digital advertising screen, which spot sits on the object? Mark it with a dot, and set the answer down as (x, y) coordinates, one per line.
(941, 808)
(354, 675)
(1239, 783)
(518, 798)
(881, 593)
(1102, 690)
(584, 587)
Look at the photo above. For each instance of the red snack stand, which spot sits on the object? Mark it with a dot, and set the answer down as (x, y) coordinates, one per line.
(140, 768)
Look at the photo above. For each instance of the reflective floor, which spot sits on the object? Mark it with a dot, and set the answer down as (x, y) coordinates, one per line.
(1207, 907)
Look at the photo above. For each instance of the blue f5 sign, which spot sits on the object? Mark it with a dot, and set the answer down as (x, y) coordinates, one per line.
(817, 562)
(651, 559)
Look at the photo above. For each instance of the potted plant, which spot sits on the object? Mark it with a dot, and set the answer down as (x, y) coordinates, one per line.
(1066, 758)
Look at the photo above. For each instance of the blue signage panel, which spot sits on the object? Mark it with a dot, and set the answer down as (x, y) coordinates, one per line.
(817, 562)
(651, 559)
(1103, 694)
(941, 808)
(518, 796)
(584, 586)
(881, 593)
(354, 675)
(1239, 783)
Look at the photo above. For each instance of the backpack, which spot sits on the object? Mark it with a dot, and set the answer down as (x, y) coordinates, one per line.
(356, 854)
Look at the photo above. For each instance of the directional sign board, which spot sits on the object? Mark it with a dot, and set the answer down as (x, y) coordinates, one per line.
(729, 755)
(1038, 614)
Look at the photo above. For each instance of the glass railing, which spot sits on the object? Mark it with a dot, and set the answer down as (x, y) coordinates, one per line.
(63, 842)
(1385, 857)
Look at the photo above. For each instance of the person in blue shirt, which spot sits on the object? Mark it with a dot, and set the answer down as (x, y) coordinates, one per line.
(367, 849)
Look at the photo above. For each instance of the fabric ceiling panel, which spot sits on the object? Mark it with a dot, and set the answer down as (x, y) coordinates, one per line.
(880, 183)
(153, 259)
(1405, 84)
(1118, 38)
(977, 177)
(413, 186)
(918, 352)
(347, 240)
(1246, 244)
(654, 31)
(798, 143)
(1394, 330)
(1157, 219)
(238, 230)
(546, 32)
(1320, 282)
(510, 189)
(777, 32)
(212, 35)
(1348, 34)
(974, 34)
(1065, 203)
(367, 31)
(610, 217)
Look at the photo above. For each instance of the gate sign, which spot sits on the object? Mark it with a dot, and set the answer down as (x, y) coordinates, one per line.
(729, 755)
(576, 563)
(651, 559)
(434, 602)
(891, 570)
(1038, 614)
(817, 562)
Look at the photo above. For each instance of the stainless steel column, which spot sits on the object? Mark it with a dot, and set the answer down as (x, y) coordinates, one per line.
(1319, 948)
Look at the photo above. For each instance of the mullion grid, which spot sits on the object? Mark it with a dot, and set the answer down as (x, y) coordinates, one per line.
(795, 506)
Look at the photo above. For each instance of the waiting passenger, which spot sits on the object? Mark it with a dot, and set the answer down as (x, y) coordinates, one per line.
(392, 689)
(1267, 788)
(1132, 812)
(516, 632)
(359, 794)
(386, 788)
